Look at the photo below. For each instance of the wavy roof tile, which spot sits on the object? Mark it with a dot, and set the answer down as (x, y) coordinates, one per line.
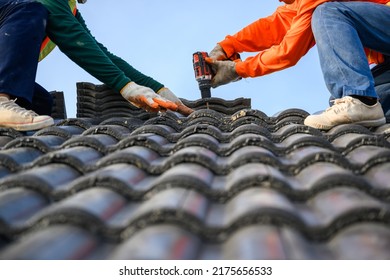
(226, 182)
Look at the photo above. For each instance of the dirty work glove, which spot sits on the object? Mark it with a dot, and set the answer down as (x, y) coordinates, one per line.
(225, 72)
(218, 53)
(169, 95)
(146, 98)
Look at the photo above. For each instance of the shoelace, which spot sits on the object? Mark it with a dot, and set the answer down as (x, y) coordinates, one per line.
(339, 101)
(11, 105)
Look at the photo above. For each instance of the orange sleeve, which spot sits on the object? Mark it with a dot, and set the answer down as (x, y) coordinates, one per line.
(374, 57)
(260, 34)
(281, 39)
(295, 44)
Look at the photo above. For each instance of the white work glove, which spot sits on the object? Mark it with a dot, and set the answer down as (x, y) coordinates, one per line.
(169, 95)
(225, 72)
(146, 98)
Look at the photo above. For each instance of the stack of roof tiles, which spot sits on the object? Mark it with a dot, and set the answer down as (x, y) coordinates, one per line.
(226, 182)
(99, 101)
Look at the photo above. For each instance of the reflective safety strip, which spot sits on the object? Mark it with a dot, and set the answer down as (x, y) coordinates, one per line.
(47, 45)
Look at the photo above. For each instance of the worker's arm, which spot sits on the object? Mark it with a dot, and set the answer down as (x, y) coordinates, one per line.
(76, 43)
(124, 66)
(262, 33)
(142, 97)
(296, 42)
(74, 40)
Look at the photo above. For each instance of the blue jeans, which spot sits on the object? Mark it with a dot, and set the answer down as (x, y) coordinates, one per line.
(341, 31)
(22, 29)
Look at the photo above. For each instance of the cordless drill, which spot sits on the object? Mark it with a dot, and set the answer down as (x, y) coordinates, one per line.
(203, 73)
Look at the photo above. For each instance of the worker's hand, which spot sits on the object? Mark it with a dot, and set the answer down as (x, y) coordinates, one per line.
(169, 95)
(225, 72)
(146, 98)
(218, 53)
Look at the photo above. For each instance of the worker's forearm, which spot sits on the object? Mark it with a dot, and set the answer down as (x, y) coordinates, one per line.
(129, 71)
(135, 75)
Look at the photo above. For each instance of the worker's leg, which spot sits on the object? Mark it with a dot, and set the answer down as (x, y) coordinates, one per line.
(22, 28)
(381, 74)
(342, 30)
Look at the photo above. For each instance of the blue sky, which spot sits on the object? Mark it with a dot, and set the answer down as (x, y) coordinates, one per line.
(159, 37)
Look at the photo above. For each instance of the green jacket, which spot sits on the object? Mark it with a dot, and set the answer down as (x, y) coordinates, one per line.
(70, 33)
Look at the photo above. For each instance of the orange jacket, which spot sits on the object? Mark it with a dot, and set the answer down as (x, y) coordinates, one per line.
(282, 39)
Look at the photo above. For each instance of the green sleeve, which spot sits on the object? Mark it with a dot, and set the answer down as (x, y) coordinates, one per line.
(129, 71)
(74, 40)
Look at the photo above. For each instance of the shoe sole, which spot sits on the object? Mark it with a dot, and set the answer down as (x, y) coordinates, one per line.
(369, 123)
(372, 123)
(29, 126)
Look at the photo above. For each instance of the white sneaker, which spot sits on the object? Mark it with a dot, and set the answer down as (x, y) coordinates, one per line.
(348, 110)
(18, 118)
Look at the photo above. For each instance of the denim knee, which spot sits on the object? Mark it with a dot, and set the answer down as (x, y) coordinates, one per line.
(323, 9)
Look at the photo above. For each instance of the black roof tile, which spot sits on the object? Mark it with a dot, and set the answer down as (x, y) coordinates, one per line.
(54, 242)
(18, 205)
(80, 158)
(41, 180)
(167, 242)
(226, 182)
